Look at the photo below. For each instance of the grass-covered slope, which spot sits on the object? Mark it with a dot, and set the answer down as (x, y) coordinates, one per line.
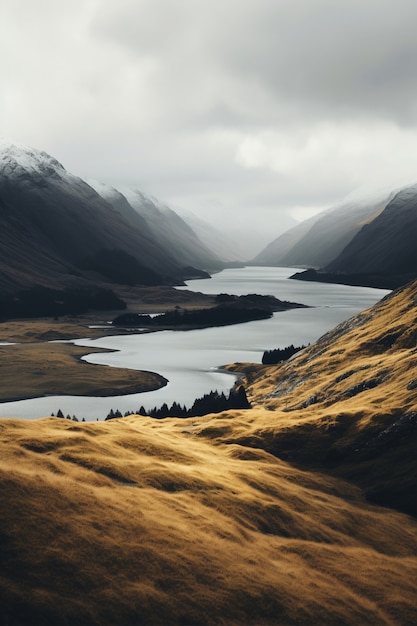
(144, 522)
(254, 517)
(348, 403)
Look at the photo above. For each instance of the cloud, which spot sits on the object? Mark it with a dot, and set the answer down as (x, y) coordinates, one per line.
(261, 107)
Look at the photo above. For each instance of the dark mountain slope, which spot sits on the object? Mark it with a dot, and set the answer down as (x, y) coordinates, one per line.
(387, 245)
(172, 232)
(56, 231)
(317, 241)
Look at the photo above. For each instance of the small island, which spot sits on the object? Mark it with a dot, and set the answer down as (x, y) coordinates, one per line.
(228, 309)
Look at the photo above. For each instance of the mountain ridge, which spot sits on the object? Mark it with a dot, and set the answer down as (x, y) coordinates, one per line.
(317, 241)
(59, 233)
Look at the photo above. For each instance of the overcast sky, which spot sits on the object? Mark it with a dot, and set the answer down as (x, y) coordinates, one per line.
(238, 110)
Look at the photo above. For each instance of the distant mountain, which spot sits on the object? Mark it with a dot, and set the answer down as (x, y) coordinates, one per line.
(223, 246)
(317, 241)
(387, 245)
(57, 232)
(160, 224)
(382, 253)
(172, 232)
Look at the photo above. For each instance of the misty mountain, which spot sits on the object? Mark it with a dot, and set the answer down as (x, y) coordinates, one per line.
(318, 240)
(161, 224)
(58, 232)
(387, 245)
(172, 232)
(226, 248)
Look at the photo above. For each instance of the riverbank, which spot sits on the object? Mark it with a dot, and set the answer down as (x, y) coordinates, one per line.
(32, 367)
(34, 370)
(188, 360)
(36, 361)
(97, 324)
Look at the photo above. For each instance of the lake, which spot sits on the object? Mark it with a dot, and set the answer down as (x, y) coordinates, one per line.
(190, 360)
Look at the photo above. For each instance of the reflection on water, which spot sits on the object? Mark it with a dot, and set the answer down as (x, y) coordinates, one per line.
(189, 359)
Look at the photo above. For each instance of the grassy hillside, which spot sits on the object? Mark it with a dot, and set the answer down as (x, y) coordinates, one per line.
(348, 403)
(145, 522)
(265, 516)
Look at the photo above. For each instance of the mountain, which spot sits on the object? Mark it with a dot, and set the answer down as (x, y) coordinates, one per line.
(299, 510)
(165, 226)
(317, 241)
(58, 233)
(226, 248)
(387, 245)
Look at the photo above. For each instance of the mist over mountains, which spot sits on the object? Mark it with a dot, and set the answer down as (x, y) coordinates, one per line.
(359, 242)
(298, 509)
(60, 232)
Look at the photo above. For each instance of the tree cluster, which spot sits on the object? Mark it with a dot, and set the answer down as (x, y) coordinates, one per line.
(216, 316)
(254, 300)
(43, 302)
(213, 402)
(68, 417)
(271, 357)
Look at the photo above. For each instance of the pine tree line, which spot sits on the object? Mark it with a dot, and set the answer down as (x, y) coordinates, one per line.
(213, 402)
(271, 357)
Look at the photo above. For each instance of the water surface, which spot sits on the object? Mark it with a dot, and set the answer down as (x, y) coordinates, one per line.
(190, 359)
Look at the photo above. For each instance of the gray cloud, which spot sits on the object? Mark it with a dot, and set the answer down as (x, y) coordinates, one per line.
(244, 109)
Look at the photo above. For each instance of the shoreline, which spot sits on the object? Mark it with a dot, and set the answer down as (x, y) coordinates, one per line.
(39, 359)
(41, 369)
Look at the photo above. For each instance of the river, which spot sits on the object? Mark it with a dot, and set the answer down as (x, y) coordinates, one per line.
(190, 360)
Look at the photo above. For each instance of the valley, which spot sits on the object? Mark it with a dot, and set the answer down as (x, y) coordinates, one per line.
(191, 360)
(300, 510)
(297, 508)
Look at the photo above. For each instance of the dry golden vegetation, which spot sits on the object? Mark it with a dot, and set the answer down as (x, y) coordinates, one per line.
(135, 521)
(349, 402)
(38, 367)
(254, 517)
(33, 369)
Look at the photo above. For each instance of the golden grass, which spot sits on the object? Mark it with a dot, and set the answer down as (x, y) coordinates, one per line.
(38, 368)
(143, 522)
(245, 517)
(331, 405)
(35, 369)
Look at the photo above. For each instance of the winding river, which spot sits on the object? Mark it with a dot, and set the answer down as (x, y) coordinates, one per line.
(192, 360)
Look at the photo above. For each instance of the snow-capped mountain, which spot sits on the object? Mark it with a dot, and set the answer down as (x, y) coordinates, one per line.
(167, 228)
(57, 231)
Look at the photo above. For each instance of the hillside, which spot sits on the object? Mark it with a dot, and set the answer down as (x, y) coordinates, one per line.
(227, 248)
(387, 244)
(317, 241)
(296, 511)
(347, 403)
(57, 232)
(163, 225)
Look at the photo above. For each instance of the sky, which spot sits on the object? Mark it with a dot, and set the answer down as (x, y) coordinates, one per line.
(248, 113)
